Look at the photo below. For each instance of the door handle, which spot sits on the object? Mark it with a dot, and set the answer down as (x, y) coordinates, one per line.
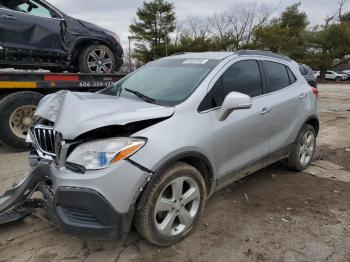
(9, 17)
(265, 111)
(303, 95)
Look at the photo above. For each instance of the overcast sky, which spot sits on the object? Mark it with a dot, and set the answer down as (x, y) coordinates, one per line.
(117, 15)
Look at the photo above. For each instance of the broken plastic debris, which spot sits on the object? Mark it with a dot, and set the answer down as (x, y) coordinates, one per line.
(246, 196)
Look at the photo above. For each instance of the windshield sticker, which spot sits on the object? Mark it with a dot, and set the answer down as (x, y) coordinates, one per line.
(196, 61)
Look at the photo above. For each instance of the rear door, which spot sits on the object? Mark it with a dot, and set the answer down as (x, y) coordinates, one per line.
(287, 102)
(241, 139)
(31, 30)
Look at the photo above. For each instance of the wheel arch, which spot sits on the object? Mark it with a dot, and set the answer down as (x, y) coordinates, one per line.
(195, 159)
(314, 122)
(82, 43)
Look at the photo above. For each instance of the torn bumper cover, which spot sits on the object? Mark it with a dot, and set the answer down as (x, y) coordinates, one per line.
(20, 193)
(79, 211)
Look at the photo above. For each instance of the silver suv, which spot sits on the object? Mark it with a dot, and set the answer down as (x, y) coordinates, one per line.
(151, 149)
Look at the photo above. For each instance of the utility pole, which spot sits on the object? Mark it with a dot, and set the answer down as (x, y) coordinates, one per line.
(130, 66)
(166, 41)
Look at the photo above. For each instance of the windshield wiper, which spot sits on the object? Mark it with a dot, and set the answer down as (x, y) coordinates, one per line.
(140, 95)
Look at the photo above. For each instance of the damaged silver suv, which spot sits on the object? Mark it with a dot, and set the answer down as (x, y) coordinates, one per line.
(151, 149)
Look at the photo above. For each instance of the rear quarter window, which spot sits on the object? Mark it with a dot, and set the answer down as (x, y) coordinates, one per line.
(277, 76)
(292, 78)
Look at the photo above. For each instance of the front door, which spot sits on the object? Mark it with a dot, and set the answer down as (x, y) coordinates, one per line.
(242, 138)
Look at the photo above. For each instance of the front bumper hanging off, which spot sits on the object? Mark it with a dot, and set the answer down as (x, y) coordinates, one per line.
(80, 211)
(15, 204)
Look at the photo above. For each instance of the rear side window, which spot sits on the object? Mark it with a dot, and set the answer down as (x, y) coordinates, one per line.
(303, 70)
(277, 76)
(292, 78)
(243, 77)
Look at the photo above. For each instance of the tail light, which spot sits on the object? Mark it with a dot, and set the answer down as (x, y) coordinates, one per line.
(315, 91)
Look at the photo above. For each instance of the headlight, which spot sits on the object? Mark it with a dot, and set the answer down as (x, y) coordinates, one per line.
(101, 154)
(113, 34)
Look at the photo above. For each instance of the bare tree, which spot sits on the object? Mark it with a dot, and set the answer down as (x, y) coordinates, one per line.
(219, 24)
(244, 18)
(341, 6)
(197, 27)
(237, 25)
(337, 16)
(177, 32)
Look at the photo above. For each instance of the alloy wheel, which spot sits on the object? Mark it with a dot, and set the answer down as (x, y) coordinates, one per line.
(99, 61)
(177, 206)
(307, 147)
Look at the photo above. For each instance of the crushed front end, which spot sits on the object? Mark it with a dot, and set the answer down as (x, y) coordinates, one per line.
(82, 202)
(81, 164)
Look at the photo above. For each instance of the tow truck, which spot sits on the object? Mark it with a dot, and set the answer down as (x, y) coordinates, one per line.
(20, 93)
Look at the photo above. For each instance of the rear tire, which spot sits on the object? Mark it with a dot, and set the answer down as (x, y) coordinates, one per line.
(304, 149)
(16, 115)
(97, 59)
(168, 217)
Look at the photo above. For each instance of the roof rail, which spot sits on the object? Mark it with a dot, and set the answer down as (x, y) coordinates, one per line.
(263, 53)
(179, 53)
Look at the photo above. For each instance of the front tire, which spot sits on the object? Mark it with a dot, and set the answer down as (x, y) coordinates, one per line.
(173, 207)
(304, 149)
(97, 59)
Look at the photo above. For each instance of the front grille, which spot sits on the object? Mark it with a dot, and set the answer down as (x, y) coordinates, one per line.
(45, 139)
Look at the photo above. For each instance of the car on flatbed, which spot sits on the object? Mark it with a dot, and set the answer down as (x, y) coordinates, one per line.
(36, 35)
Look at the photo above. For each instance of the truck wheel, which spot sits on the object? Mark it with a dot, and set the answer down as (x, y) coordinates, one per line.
(173, 206)
(304, 149)
(16, 116)
(97, 59)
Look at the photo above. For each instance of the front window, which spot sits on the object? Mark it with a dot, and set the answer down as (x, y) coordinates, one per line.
(167, 82)
(31, 7)
(242, 77)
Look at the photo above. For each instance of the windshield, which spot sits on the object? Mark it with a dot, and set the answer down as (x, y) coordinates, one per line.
(166, 82)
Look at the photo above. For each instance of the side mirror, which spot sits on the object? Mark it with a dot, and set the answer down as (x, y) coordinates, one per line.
(234, 101)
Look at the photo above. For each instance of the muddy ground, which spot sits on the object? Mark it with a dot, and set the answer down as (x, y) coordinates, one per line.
(273, 215)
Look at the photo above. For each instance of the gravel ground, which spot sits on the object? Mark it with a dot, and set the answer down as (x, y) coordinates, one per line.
(273, 215)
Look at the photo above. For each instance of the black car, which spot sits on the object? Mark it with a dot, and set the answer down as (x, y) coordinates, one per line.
(308, 74)
(34, 34)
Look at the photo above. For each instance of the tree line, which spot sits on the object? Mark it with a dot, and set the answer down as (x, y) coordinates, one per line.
(244, 25)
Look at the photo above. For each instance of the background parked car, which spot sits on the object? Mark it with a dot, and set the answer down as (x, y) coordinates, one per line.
(346, 72)
(308, 74)
(34, 34)
(332, 75)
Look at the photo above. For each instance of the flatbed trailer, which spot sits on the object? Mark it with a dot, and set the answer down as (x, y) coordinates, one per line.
(20, 93)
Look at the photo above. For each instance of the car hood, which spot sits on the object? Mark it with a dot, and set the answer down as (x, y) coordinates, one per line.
(74, 113)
